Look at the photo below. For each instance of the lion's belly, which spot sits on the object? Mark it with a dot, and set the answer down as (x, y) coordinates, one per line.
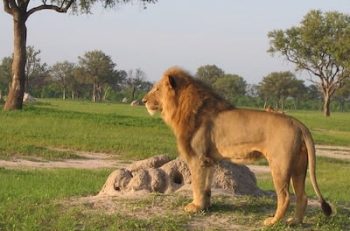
(238, 137)
(240, 152)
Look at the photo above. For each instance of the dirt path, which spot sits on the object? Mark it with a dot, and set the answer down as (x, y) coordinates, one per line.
(336, 152)
(90, 160)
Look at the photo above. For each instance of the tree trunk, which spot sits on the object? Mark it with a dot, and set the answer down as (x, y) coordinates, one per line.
(94, 93)
(133, 93)
(342, 105)
(26, 86)
(282, 104)
(326, 105)
(15, 96)
(98, 93)
(64, 88)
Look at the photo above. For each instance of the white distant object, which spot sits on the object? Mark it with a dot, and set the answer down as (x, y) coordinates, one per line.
(124, 100)
(27, 98)
(135, 103)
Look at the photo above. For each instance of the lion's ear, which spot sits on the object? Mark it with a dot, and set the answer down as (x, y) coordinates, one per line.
(172, 81)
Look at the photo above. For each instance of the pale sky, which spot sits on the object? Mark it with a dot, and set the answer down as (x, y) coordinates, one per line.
(231, 34)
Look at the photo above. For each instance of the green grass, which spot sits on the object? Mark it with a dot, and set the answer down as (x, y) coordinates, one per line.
(112, 128)
(334, 185)
(334, 130)
(32, 200)
(46, 200)
(118, 129)
(331, 174)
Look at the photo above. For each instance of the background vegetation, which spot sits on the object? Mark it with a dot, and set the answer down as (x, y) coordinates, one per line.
(96, 77)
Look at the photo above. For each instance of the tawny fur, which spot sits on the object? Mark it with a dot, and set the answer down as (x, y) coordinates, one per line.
(208, 128)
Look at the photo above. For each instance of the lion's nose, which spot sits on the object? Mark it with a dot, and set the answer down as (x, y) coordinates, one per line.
(144, 100)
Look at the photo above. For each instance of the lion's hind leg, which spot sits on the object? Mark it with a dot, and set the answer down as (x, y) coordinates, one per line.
(298, 180)
(281, 182)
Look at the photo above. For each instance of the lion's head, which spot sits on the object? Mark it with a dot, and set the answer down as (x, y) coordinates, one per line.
(181, 98)
(152, 100)
(163, 95)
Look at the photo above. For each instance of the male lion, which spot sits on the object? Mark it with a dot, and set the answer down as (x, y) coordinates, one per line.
(208, 129)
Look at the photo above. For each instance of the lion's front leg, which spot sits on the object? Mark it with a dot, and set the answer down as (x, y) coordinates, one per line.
(208, 183)
(201, 184)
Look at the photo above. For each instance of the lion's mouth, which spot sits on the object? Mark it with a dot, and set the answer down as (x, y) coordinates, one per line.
(152, 109)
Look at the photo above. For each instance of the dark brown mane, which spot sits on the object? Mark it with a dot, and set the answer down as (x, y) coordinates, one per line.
(194, 102)
(199, 89)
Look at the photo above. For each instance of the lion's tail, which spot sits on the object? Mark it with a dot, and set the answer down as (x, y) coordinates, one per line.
(326, 208)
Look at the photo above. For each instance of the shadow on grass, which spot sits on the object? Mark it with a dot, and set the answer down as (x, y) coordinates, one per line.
(244, 205)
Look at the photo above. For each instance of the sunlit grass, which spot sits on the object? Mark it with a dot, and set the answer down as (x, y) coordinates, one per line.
(119, 129)
(333, 130)
(34, 200)
(42, 200)
(331, 174)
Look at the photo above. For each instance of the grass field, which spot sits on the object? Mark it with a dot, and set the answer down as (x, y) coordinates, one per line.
(334, 130)
(117, 129)
(32, 199)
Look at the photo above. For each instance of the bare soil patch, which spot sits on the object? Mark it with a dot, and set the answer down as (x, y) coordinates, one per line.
(95, 160)
(143, 206)
(87, 160)
(336, 152)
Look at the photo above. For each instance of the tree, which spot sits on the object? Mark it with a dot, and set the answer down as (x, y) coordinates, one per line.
(320, 46)
(209, 73)
(313, 92)
(5, 75)
(20, 12)
(343, 94)
(63, 73)
(97, 68)
(34, 69)
(231, 86)
(136, 80)
(277, 86)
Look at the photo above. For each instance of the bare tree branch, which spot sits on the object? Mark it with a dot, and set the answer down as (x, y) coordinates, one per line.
(59, 9)
(335, 74)
(10, 6)
(26, 3)
(7, 7)
(22, 4)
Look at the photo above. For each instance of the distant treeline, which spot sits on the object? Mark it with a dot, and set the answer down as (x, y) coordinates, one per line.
(96, 77)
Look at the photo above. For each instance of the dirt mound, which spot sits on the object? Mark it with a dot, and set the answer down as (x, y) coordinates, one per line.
(162, 175)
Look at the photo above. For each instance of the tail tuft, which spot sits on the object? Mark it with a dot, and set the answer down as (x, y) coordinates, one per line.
(326, 208)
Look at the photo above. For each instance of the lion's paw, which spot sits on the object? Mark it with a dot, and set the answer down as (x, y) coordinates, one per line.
(269, 221)
(192, 208)
(293, 221)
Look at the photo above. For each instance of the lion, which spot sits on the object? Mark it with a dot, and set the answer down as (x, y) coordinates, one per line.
(208, 129)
